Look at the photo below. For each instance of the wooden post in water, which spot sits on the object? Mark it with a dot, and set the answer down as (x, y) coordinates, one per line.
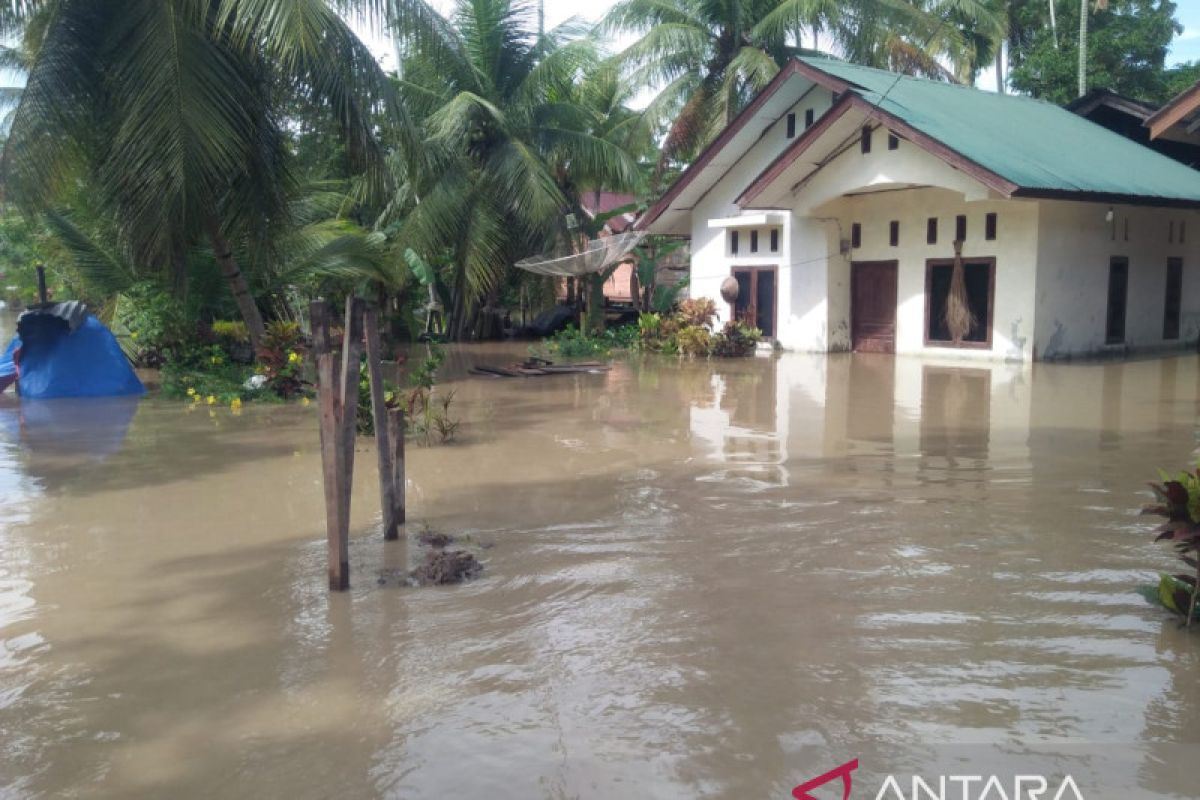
(395, 426)
(379, 413)
(337, 396)
(333, 472)
(352, 348)
(43, 294)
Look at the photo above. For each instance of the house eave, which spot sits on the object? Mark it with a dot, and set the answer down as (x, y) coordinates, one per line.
(760, 219)
(1177, 110)
(1106, 197)
(792, 68)
(853, 101)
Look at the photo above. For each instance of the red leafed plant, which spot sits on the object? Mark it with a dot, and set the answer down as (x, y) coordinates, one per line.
(1178, 500)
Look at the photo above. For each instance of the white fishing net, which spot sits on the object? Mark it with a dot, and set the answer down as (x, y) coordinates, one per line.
(596, 255)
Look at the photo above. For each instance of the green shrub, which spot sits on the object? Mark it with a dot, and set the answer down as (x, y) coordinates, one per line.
(624, 337)
(427, 411)
(736, 339)
(230, 332)
(209, 377)
(649, 326)
(698, 312)
(282, 335)
(570, 342)
(684, 332)
(156, 327)
(1177, 500)
(281, 358)
(694, 340)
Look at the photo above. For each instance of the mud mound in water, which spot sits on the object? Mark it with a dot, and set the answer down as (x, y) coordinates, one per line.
(446, 566)
(432, 538)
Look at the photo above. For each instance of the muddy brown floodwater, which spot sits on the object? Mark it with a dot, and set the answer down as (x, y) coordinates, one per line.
(705, 580)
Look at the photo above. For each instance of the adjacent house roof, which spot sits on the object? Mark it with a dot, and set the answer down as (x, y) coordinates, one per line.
(1127, 116)
(596, 203)
(1183, 108)
(1101, 97)
(1015, 145)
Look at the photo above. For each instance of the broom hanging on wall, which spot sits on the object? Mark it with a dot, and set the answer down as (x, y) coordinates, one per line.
(959, 318)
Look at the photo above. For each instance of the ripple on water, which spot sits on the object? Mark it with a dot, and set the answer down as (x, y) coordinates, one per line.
(699, 572)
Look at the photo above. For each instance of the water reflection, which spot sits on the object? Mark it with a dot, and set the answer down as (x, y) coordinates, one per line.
(56, 438)
(703, 579)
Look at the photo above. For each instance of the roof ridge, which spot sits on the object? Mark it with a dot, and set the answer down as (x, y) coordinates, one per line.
(914, 79)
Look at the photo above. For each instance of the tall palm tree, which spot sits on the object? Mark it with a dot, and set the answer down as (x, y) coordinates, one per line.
(169, 111)
(977, 30)
(707, 58)
(506, 139)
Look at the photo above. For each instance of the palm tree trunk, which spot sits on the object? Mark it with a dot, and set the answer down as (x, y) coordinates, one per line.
(179, 273)
(1083, 43)
(237, 284)
(595, 302)
(1000, 81)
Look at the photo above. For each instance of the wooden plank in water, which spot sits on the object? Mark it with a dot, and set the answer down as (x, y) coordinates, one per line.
(502, 372)
(567, 369)
(541, 367)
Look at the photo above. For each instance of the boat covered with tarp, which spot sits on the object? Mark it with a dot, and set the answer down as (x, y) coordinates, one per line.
(61, 350)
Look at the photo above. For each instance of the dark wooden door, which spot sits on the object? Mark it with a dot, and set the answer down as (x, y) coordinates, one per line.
(1174, 298)
(1118, 300)
(873, 306)
(755, 304)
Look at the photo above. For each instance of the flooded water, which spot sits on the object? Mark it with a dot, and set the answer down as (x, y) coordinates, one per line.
(702, 580)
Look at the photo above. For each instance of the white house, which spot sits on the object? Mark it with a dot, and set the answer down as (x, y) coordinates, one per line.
(836, 198)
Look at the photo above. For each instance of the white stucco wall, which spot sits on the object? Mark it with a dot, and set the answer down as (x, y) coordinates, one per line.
(822, 219)
(711, 261)
(1075, 245)
(1051, 256)
(1015, 251)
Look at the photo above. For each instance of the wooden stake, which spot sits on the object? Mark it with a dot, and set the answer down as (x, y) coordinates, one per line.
(379, 412)
(337, 527)
(395, 423)
(352, 347)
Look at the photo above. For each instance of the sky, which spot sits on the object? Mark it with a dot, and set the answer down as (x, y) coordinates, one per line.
(1186, 46)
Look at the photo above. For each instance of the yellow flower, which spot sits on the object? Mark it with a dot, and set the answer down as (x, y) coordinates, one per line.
(211, 400)
(304, 401)
(293, 357)
(195, 399)
(236, 404)
(191, 391)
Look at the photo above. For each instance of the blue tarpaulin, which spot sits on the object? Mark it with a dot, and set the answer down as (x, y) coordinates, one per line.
(85, 362)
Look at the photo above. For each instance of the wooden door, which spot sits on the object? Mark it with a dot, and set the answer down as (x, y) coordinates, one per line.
(1174, 298)
(755, 305)
(873, 306)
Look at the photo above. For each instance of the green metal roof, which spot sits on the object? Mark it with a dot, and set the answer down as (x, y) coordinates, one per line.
(1031, 143)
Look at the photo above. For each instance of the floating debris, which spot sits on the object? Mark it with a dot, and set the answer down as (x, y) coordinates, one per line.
(538, 366)
(431, 538)
(442, 567)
